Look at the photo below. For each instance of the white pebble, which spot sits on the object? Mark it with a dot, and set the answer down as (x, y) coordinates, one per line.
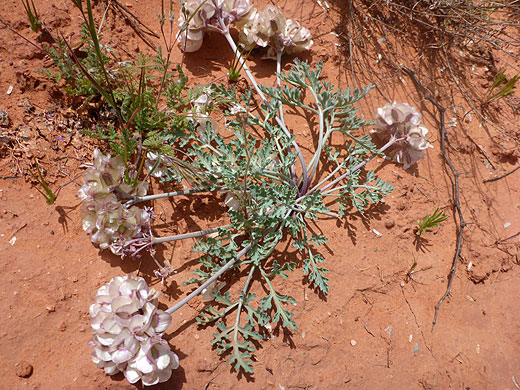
(353, 343)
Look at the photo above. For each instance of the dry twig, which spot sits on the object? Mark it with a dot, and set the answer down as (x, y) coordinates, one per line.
(456, 189)
(501, 176)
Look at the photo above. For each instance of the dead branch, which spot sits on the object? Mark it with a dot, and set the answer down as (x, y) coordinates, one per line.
(456, 187)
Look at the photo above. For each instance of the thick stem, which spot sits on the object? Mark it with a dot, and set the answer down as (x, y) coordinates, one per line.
(200, 233)
(230, 263)
(146, 198)
(278, 81)
(315, 159)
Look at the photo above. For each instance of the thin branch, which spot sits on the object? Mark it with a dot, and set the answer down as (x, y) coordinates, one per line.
(456, 189)
(501, 176)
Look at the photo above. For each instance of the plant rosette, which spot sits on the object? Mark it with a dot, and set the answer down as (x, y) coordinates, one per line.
(127, 332)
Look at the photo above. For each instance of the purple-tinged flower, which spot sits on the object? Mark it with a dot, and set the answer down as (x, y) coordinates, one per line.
(153, 364)
(397, 118)
(413, 148)
(127, 332)
(201, 16)
(269, 27)
(403, 122)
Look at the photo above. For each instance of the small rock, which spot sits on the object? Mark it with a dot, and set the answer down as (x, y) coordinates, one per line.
(4, 119)
(205, 365)
(24, 369)
(51, 308)
(389, 224)
(27, 106)
(377, 233)
(353, 343)
(62, 327)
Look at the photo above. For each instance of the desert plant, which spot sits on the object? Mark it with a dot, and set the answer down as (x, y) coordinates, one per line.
(48, 193)
(32, 15)
(501, 86)
(430, 221)
(254, 165)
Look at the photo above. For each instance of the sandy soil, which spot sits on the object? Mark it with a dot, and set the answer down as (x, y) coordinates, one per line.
(373, 331)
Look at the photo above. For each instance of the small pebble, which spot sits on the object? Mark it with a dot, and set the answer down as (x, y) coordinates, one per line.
(24, 369)
(62, 327)
(389, 224)
(353, 343)
(4, 119)
(51, 309)
(507, 224)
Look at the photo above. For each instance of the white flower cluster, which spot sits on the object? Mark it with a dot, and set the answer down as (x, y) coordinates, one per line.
(127, 332)
(200, 16)
(109, 222)
(404, 123)
(269, 27)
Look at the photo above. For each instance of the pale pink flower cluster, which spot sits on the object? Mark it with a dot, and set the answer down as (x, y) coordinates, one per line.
(269, 27)
(403, 122)
(109, 222)
(201, 16)
(127, 332)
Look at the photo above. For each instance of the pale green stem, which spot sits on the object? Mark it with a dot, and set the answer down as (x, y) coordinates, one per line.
(204, 285)
(240, 304)
(278, 81)
(200, 233)
(146, 198)
(313, 165)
